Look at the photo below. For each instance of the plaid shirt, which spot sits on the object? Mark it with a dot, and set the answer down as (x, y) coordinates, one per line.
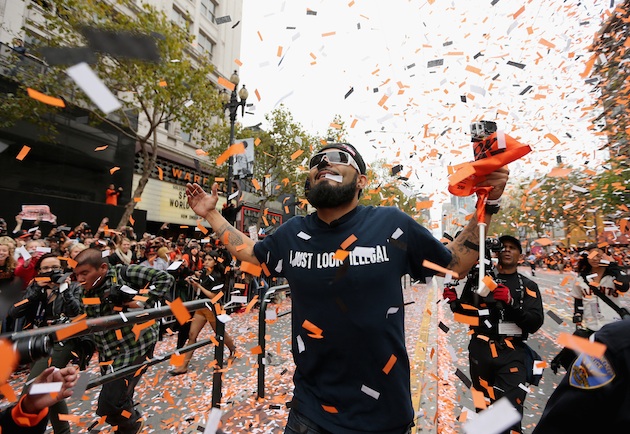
(122, 352)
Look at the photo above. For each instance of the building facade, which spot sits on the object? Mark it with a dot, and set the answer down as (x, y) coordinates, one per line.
(70, 169)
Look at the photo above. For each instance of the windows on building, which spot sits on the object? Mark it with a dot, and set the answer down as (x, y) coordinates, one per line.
(181, 19)
(206, 44)
(208, 8)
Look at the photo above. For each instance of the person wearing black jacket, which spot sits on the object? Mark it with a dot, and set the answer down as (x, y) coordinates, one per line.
(506, 317)
(46, 302)
(594, 395)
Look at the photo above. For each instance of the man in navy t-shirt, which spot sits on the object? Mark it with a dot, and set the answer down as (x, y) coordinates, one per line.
(344, 264)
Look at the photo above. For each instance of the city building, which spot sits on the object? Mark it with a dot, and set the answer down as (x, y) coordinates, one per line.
(69, 175)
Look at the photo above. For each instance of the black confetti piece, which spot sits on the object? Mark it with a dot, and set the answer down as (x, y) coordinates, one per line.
(464, 378)
(348, 93)
(443, 327)
(555, 317)
(516, 64)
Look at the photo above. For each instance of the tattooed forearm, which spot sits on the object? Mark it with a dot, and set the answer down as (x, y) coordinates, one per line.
(240, 246)
(465, 249)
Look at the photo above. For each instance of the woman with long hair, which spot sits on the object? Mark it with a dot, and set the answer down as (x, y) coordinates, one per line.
(209, 284)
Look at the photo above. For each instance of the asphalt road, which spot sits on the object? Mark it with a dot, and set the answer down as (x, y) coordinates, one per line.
(182, 404)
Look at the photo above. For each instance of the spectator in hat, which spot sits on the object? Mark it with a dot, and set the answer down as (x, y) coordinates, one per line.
(153, 260)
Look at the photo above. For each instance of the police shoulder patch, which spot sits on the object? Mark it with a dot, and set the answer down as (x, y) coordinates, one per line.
(590, 372)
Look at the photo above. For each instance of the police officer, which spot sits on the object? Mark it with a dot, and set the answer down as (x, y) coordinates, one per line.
(497, 351)
(595, 392)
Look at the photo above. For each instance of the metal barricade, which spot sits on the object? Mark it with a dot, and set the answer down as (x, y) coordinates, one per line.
(262, 331)
(94, 325)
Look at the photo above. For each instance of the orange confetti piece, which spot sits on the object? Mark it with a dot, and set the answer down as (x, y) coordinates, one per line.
(256, 350)
(330, 409)
(490, 283)
(101, 148)
(255, 183)
(8, 392)
(114, 169)
(478, 399)
(163, 83)
(9, 359)
(251, 304)
(23, 153)
(235, 149)
(160, 173)
(137, 329)
(202, 228)
(41, 97)
(126, 414)
(296, 154)
(71, 330)
(226, 84)
(581, 345)
(250, 268)
(217, 297)
(91, 300)
(311, 327)
(390, 364)
(179, 310)
(435, 267)
(351, 239)
(341, 255)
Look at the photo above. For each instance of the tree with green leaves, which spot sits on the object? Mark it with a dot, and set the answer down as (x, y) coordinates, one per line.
(176, 89)
(281, 157)
(383, 190)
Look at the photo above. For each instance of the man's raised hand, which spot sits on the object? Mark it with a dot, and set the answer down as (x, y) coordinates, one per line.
(200, 201)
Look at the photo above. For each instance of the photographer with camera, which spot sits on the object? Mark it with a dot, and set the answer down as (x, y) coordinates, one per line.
(118, 288)
(497, 350)
(51, 299)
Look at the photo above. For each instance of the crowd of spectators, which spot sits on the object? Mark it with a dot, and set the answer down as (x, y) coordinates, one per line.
(21, 249)
(566, 259)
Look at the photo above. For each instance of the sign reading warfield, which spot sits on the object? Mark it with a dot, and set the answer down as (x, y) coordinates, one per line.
(166, 202)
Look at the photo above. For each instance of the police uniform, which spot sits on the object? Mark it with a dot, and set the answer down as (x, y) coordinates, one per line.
(497, 351)
(594, 395)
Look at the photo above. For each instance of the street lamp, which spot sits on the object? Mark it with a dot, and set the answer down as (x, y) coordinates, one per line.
(231, 102)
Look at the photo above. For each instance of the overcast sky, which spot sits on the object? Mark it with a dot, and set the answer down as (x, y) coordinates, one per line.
(518, 63)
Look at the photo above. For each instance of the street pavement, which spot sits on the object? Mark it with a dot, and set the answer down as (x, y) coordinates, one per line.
(182, 404)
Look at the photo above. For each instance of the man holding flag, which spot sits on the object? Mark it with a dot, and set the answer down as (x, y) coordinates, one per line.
(344, 264)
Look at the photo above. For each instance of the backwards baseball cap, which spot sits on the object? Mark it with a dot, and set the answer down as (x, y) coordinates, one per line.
(513, 240)
(350, 150)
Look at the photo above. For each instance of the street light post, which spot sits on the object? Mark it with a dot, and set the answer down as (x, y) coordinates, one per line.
(231, 102)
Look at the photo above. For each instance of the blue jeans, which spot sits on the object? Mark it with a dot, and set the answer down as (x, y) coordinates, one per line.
(297, 423)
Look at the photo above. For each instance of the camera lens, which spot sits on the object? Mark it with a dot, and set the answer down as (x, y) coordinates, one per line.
(33, 348)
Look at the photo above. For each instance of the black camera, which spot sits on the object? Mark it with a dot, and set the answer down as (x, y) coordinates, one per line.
(33, 348)
(119, 295)
(482, 129)
(493, 244)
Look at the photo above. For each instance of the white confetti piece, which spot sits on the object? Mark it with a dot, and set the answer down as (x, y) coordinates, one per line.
(497, 418)
(397, 233)
(336, 178)
(41, 388)
(304, 236)
(370, 392)
(300, 343)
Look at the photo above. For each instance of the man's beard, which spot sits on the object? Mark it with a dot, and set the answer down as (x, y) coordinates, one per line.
(326, 195)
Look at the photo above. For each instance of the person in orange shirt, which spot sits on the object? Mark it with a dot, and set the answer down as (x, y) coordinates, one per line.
(112, 194)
